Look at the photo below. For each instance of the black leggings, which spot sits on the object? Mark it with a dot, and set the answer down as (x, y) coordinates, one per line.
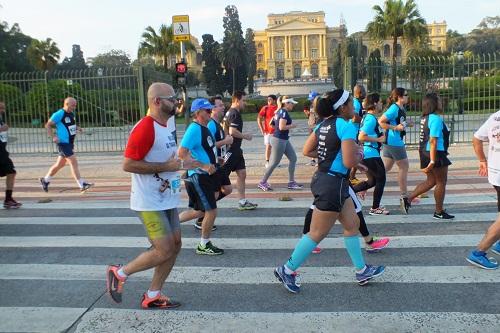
(363, 229)
(498, 196)
(376, 177)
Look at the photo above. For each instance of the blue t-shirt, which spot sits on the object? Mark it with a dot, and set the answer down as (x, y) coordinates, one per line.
(201, 144)
(395, 117)
(281, 114)
(368, 125)
(358, 110)
(65, 125)
(330, 144)
(436, 124)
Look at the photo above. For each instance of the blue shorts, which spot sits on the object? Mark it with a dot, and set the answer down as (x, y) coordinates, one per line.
(65, 149)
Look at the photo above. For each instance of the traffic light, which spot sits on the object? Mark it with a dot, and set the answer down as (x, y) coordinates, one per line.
(181, 70)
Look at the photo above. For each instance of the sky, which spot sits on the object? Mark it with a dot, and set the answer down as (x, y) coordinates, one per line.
(101, 25)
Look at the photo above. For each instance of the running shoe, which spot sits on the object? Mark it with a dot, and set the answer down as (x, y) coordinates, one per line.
(45, 185)
(158, 302)
(288, 280)
(197, 224)
(114, 283)
(209, 249)
(317, 250)
(11, 204)
(264, 186)
(86, 186)
(405, 205)
(479, 259)
(247, 205)
(378, 211)
(266, 165)
(377, 245)
(496, 247)
(369, 273)
(443, 216)
(293, 185)
(354, 181)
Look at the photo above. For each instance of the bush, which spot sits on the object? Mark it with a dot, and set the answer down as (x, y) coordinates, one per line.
(12, 97)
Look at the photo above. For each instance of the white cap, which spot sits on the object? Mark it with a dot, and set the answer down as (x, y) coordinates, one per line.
(289, 100)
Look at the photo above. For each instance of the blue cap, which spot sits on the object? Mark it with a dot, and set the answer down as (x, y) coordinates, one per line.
(312, 95)
(201, 103)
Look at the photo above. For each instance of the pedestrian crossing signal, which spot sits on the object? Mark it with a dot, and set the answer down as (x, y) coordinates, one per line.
(180, 68)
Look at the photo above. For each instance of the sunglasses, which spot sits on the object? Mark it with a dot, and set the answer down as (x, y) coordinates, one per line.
(172, 99)
(405, 94)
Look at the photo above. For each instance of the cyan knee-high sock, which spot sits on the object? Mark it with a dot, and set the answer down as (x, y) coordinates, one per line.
(353, 248)
(301, 253)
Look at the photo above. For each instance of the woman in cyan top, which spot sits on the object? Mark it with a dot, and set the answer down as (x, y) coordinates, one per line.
(394, 151)
(372, 138)
(433, 160)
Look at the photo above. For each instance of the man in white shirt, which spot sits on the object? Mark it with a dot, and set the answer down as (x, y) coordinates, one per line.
(488, 132)
(150, 156)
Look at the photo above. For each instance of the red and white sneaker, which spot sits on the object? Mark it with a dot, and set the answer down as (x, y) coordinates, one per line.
(114, 283)
(317, 250)
(378, 211)
(11, 204)
(158, 302)
(377, 245)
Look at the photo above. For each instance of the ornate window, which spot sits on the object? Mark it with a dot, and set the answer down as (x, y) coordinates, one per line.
(296, 54)
(314, 53)
(297, 70)
(260, 57)
(387, 51)
(280, 72)
(279, 55)
(314, 70)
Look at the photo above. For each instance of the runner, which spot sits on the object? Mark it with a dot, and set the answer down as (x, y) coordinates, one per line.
(263, 121)
(394, 151)
(433, 160)
(359, 94)
(312, 117)
(334, 143)
(202, 184)
(282, 123)
(488, 132)
(7, 168)
(150, 158)
(236, 161)
(66, 129)
(372, 139)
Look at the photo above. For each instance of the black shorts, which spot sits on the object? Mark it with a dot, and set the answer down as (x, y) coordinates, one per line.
(235, 162)
(222, 178)
(201, 190)
(441, 160)
(330, 191)
(6, 165)
(65, 149)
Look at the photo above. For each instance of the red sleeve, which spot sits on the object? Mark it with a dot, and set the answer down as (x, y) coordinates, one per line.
(141, 139)
(262, 112)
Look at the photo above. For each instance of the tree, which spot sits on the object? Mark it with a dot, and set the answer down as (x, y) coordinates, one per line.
(13, 49)
(486, 37)
(113, 58)
(455, 41)
(251, 58)
(398, 20)
(161, 45)
(375, 71)
(212, 69)
(75, 62)
(233, 52)
(43, 54)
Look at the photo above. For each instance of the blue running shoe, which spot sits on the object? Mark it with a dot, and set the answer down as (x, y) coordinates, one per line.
(479, 259)
(369, 273)
(496, 247)
(288, 280)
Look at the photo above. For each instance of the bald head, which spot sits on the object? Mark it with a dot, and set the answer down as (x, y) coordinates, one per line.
(158, 89)
(359, 91)
(69, 104)
(161, 100)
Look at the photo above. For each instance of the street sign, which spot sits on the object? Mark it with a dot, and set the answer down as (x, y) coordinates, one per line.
(181, 27)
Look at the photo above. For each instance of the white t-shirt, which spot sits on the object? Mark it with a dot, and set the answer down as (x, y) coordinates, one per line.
(490, 131)
(152, 142)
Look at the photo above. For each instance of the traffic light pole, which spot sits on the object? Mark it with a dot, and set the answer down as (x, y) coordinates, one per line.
(183, 87)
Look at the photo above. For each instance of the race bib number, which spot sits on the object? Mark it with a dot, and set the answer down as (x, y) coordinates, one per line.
(3, 137)
(72, 130)
(175, 185)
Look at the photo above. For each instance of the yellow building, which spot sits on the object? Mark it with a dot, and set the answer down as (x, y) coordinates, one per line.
(299, 45)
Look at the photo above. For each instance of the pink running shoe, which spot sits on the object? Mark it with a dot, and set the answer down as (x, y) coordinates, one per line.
(378, 211)
(317, 250)
(377, 245)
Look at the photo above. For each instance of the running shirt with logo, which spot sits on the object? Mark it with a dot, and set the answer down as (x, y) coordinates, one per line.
(153, 142)
(369, 126)
(395, 116)
(437, 129)
(281, 114)
(201, 144)
(219, 135)
(267, 111)
(358, 110)
(490, 132)
(234, 120)
(330, 134)
(3, 137)
(65, 125)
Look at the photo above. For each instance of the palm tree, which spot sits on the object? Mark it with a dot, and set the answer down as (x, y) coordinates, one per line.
(397, 20)
(161, 45)
(43, 54)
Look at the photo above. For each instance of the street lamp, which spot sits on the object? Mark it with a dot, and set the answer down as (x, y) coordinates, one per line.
(460, 58)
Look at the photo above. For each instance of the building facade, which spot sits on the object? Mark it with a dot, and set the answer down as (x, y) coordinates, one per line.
(299, 45)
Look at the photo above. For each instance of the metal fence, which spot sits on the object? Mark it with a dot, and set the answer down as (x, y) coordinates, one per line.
(469, 86)
(110, 102)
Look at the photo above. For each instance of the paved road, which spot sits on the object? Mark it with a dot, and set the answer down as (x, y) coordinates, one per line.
(53, 258)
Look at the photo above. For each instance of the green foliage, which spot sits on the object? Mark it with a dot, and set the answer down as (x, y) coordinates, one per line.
(251, 58)
(11, 96)
(13, 49)
(113, 58)
(76, 61)
(486, 38)
(43, 54)
(482, 103)
(375, 71)
(212, 70)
